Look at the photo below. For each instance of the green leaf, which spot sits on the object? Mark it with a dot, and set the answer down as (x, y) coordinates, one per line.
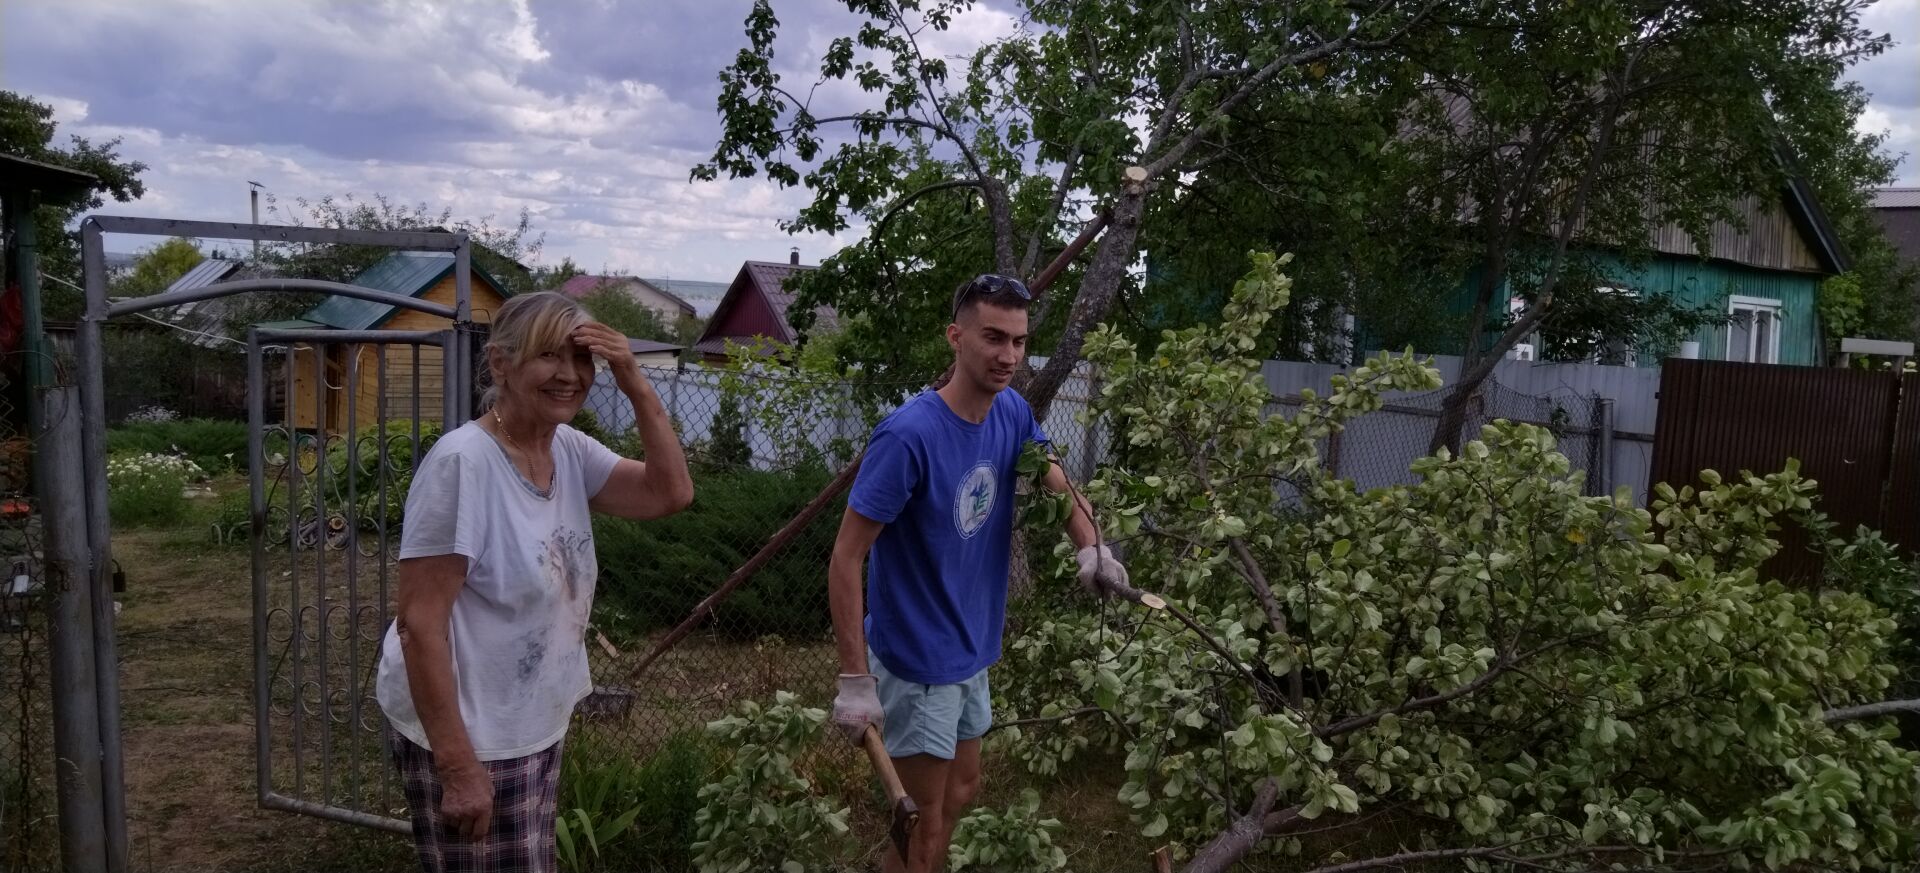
(1156, 827)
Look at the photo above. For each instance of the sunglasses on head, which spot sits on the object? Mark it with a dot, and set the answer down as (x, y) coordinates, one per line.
(988, 284)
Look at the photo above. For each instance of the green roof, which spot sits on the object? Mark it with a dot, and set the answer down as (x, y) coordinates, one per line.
(289, 324)
(409, 273)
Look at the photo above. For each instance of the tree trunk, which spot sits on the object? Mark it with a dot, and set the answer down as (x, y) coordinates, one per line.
(1223, 851)
(1097, 292)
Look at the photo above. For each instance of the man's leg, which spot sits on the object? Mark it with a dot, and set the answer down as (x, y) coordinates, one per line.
(926, 779)
(922, 733)
(963, 785)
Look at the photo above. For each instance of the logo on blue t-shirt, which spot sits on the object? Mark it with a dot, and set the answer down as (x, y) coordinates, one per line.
(973, 500)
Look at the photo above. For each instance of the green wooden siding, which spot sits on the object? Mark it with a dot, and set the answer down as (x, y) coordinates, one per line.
(1698, 282)
(1694, 282)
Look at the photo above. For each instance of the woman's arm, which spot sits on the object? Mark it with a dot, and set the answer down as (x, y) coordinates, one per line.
(428, 587)
(660, 485)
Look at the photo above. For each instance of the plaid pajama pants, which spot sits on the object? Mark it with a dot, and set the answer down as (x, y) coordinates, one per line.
(520, 838)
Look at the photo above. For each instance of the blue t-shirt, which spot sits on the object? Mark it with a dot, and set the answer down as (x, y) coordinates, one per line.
(937, 576)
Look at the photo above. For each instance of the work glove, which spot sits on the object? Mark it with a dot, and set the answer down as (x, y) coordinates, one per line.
(1100, 572)
(857, 705)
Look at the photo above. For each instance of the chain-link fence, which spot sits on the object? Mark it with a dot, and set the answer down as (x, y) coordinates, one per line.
(763, 443)
(1378, 450)
(28, 834)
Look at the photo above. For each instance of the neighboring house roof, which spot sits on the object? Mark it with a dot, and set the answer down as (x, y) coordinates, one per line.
(582, 285)
(1898, 212)
(1730, 242)
(409, 273)
(1896, 198)
(642, 346)
(765, 281)
(209, 317)
(671, 289)
(679, 290)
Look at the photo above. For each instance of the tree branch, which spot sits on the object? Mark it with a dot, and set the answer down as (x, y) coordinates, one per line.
(876, 238)
(1256, 79)
(1296, 690)
(1024, 722)
(1046, 220)
(1501, 665)
(1870, 710)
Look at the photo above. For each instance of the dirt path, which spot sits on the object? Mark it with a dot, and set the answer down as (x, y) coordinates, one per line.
(187, 684)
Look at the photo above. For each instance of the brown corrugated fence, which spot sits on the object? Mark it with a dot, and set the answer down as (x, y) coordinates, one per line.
(1848, 428)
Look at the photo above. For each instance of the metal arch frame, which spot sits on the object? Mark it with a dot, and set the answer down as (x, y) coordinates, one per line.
(89, 349)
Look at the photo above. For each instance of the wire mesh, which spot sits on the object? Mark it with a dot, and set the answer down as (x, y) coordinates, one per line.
(1378, 450)
(28, 829)
(762, 444)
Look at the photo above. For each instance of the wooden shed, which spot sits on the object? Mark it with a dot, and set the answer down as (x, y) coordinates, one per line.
(424, 275)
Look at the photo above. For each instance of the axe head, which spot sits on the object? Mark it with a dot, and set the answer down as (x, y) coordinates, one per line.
(906, 816)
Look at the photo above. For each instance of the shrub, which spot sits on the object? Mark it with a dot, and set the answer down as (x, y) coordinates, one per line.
(616, 813)
(1540, 678)
(654, 572)
(1014, 840)
(146, 489)
(215, 445)
(762, 814)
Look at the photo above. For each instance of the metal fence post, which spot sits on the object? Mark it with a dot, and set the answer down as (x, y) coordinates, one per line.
(1603, 433)
(89, 433)
(76, 716)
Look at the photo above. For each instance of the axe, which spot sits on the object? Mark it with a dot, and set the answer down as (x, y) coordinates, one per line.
(905, 813)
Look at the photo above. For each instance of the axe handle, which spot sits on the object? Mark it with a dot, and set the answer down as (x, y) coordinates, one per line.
(883, 765)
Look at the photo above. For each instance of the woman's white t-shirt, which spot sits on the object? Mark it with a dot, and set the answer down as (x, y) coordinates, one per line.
(518, 626)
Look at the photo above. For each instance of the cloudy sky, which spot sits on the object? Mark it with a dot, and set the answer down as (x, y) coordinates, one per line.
(589, 113)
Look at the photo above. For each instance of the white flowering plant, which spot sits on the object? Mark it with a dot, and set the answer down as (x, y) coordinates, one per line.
(147, 488)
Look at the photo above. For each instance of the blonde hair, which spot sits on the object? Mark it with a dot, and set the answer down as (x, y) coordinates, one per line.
(527, 325)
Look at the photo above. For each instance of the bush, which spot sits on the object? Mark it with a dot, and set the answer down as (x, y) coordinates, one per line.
(215, 445)
(653, 573)
(762, 814)
(146, 489)
(640, 814)
(1014, 840)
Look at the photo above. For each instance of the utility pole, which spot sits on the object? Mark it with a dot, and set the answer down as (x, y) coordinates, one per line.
(253, 196)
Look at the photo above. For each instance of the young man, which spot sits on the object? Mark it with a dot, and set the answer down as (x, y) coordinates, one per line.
(933, 505)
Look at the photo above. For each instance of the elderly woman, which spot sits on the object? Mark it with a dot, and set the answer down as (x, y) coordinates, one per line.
(481, 669)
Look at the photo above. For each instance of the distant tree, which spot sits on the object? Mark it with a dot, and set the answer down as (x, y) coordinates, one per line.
(550, 278)
(27, 130)
(497, 250)
(612, 306)
(158, 267)
(729, 445)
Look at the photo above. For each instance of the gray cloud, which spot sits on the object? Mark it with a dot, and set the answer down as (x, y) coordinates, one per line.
(588, 114)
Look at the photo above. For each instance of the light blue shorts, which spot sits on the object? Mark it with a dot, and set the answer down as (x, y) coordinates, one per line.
(931, 719)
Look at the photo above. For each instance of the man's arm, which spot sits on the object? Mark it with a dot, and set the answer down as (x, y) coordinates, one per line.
(845, 596)
(1100, 572)
(1080, 520)
(856, 703)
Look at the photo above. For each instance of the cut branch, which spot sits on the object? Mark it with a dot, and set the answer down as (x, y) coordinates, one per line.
(1870, 710)
(1296, 687)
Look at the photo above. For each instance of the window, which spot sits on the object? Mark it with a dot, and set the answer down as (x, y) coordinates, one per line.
(1614, 350)
(1754, 335)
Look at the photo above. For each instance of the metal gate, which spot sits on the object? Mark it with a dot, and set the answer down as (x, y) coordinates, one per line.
(329, 478)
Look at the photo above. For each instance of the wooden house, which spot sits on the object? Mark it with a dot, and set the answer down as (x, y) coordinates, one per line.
(359, 385)
(753, 314)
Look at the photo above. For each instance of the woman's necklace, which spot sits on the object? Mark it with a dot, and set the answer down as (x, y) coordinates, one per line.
(501, 426)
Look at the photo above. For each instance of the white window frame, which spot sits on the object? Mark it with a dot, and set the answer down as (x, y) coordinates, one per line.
(1772, 306)
(1528, 348)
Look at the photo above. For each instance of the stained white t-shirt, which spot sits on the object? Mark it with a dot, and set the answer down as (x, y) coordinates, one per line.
(518, 626)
